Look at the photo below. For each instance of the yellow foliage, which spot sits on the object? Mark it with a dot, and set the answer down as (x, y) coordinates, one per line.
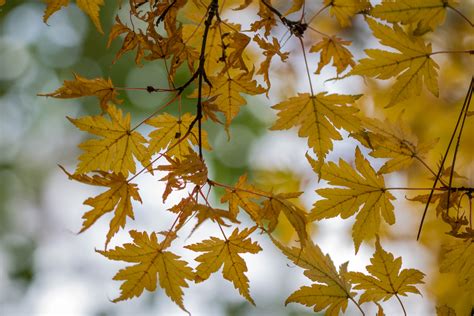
(331, 289)
(412, 67)
(103, 89)
(90, 7)
(318, 118)
(117, 147)
(218, 253)
(117, 198)
(152, 265)
(385, 279)
(365, 194)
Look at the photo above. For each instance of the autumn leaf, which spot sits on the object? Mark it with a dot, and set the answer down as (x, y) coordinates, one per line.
(228, 89)
(218, 253)
(330, 290)
(118, 198)
(295, 7)
(115, 149)
(131, 41)
(344, 10)
(333, 48)
(456, 257)
(269, 51)
(152, 265)
(394, 141)
(278, 203)
(385, 279)
(243, 195)
(318, 118)
(225, 46)
(412, 67)
(169, 133)
(101, 88)
(425, 14)
(364, 193)
(191, 169)
(90, 7)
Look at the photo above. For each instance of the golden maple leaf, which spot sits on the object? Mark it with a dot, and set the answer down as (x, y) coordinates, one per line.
(227, 89)
(188, 207)
(425, 14)
(90, 7)
(457, 257)
(344, 10)
(243, 195)
(394, 141)
(412, 67)
(117, 147)
(330, 290)
(117, 198)
(153, 265)
(385, 278)
(225, 45)
(169, 133)
(333, 48)
(365, 194)
(191, 169)
(269, 51)
(103, 89)
(278, 203)
(218, 252)
(318, 118)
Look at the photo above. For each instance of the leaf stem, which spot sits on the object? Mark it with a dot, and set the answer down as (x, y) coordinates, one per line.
(307, 67)
(468, 51)
(445, 156)
(461, 15)
(401, 304)
(358, 305)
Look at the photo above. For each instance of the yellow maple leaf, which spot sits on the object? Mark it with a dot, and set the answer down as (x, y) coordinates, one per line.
(318, 118)
(243, 196)
(228, 89)
(296, 216)
(225, 45)
(365, 194)
(181, 172)
(394, 141)
(169, 132)
(344, 10)
(385, 278)
(457, 257)
(151, 261)
(412, 67)
(269, 51)
(102, 88)
(333, 48)
(218, 252)
(331, 290)
(117, 198)
(90, 7)
(295, 7)
(426, 14)
(117, 147)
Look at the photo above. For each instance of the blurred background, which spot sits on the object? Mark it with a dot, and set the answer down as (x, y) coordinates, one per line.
(47, 269)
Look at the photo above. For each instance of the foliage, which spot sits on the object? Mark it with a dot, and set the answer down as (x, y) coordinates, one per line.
(219, 57)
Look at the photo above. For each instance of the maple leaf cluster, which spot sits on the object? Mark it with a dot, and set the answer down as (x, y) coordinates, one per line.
(219, 56)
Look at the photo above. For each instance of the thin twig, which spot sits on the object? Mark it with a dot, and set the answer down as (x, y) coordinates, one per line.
(445, 156)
